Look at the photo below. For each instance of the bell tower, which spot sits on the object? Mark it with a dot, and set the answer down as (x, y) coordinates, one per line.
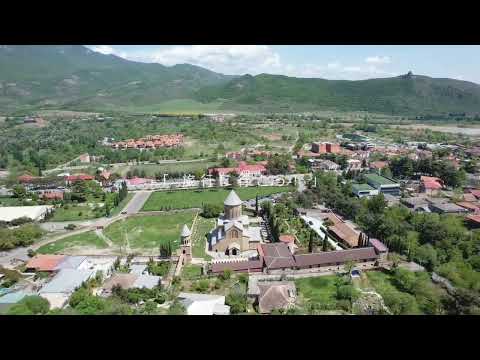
(186, 244)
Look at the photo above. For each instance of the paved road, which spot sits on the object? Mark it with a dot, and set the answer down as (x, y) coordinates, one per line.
(137, 202)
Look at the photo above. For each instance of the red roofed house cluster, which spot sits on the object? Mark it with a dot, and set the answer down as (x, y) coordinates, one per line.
(151, 142)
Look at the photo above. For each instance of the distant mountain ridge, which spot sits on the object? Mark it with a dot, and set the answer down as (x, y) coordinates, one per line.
(75, 77)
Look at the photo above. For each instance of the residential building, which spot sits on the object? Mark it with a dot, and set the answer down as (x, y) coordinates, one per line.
(242, 169)
(325, 148)
(62, 286)
(414, 202)
(324, 165)
(276, 295)
(430, 185)
(447, 208)
(354, 165)
(378, 165)
(276, 256)
(44, 263)
(130, 281)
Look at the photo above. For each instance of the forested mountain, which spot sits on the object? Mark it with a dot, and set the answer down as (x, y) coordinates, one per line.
(75, 77)
(398, 95)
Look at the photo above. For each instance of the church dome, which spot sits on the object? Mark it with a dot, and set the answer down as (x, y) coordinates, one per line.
(232, 199)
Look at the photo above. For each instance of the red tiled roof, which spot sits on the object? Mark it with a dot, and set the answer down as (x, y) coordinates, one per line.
(45, 262)
(333, 257)
(52, 195)
(432, 185)
(286, 238)
(105, 175)
(277, 256)
(138, 181)
(475, 193)
(378, 164)
(26, 178)
(242, 167)
(250, 265)
(469, 197)
(378, 245)
(474, 218)
(468, 205)
(79, 177)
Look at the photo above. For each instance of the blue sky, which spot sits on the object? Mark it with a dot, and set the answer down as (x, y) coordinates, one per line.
(349, 62)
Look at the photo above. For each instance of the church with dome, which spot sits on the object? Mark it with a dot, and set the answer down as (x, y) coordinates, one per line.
(234, 232)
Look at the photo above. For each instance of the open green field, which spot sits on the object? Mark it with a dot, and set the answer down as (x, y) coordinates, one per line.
(174, 167)
(187, 199)
(10, 201)
(320, 290)
(75, 212)
(191, 271)
(149, 231)
(203, 226)
(87, 239)
(176, 106)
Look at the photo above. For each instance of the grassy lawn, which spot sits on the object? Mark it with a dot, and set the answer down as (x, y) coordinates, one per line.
(199, 239)
(149, 232)
(186, 199)
(122, 204)
(87, 239)
(191, 271)
(152, 169)
(75, 212)
(320, 289)
(10, 201)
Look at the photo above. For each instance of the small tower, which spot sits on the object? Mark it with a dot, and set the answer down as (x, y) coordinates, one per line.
(185, 244)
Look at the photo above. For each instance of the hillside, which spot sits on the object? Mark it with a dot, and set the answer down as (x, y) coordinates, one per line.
(407, 94)
(74, 77)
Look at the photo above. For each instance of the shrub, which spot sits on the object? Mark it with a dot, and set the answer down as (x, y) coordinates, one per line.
(202, 286)
(226, 275)
(36, 304)
(237, 302)
(243, 278)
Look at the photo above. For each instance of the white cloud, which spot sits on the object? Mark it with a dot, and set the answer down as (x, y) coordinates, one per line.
(108, 50)
(228, 59)
(378, 60)
(252, 59)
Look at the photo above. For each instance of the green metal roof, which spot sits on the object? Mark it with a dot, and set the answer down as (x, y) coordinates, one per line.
(374, 178)
(362, 187)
